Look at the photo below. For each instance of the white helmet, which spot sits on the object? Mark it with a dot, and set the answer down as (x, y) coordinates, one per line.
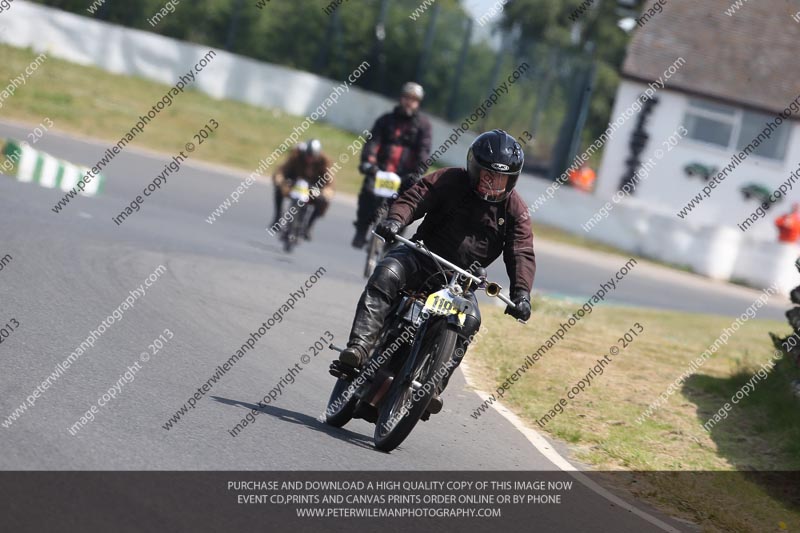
(313, 147)
(413, 89)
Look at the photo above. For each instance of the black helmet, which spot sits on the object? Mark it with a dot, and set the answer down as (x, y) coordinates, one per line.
(313, 147)
(495, 151)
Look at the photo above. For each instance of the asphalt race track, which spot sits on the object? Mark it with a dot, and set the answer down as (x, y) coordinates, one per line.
(71, 270)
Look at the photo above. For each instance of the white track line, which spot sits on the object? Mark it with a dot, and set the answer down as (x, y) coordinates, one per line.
(544, 447)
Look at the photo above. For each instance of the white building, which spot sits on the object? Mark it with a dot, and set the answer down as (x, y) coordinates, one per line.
(740, 72)
(724, 77)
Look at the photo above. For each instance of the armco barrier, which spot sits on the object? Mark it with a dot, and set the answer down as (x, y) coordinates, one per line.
(33, 166)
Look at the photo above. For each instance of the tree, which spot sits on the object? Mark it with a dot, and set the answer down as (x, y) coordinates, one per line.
(592, 34)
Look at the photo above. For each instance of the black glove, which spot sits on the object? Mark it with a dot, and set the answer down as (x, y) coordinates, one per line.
(522, 301)
(412, 179)
(388, 229)
(367, 168)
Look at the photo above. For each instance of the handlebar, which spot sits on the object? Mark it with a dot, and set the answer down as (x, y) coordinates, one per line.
(492, 289)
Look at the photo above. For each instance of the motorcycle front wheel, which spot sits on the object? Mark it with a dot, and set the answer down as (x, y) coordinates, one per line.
(405, 404)
(374, 250)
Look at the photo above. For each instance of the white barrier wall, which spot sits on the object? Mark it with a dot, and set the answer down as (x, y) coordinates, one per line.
(719, 252)
(638, 227)
(667, 184)
(128, 51)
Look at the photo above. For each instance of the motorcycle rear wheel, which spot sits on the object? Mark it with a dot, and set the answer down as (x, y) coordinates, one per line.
(341, 405)
(344, 409)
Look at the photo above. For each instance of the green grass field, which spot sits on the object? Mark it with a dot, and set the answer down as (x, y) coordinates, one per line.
(92, 102)
(761, 433)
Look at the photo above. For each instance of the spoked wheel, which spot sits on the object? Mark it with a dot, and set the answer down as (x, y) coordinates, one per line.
(294, 230)
(289, 236)
(375, 245)
(289, 241)
(342, 404)
(344, 401)
(374, 250)
(406, 402)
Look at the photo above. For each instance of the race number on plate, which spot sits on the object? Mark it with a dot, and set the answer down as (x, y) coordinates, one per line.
(441, 303)
(300, 191)
(386, 184)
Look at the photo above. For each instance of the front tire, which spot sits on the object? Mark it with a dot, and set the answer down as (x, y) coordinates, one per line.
(294, 230)
(373, 255)
(403, 407)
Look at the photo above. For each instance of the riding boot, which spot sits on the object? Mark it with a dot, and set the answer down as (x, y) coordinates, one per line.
(375, 303)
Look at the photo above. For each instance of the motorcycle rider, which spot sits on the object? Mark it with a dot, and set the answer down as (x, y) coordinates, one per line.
(279, 179)
(472, 214)
(309, 163)
(400, 143)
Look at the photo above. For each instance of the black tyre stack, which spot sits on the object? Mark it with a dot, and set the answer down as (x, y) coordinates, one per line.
(793, 316)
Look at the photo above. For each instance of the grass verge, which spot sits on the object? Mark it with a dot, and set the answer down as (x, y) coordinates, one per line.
(90, 101)
(762, 432)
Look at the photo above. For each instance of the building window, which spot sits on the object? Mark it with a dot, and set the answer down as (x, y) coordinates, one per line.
(732, 129)
(774, 147)
(710, 123)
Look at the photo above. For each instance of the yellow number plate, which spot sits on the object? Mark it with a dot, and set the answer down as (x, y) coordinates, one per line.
(441, 303)
(386, 184)
(300, 190)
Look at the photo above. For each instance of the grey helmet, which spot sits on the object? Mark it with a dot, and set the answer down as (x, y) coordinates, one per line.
(413, 89)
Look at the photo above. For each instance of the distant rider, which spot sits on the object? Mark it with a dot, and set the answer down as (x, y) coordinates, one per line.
(309, 163)
(471, 215)
(400, 143)
(279, 178)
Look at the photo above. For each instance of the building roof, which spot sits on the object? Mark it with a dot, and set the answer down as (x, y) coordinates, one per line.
(750, 59)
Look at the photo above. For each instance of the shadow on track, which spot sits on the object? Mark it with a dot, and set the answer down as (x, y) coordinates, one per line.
(303, 419)
(760, 434)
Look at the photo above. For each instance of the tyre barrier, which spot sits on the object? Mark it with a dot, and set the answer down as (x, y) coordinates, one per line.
(793, 317)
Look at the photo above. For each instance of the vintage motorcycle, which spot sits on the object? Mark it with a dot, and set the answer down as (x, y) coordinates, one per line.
(386, 187)
(299, 195)
(413, 354)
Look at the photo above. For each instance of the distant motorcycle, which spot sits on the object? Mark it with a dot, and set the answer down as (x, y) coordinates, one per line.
(386, 187)
(410, 359)
(300, 195)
